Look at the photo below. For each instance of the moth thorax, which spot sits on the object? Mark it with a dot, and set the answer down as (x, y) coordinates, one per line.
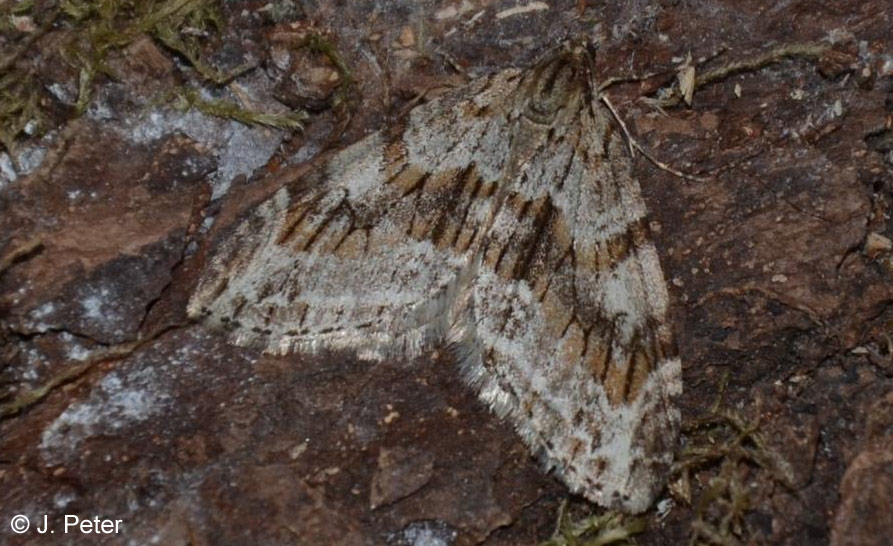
(555, 85)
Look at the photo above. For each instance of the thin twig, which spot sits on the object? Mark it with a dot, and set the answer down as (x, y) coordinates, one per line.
(634, 145)
(614, 80)
(32, 245)
(631, 78)
(810, 50)
(452, 62)
(116, 352)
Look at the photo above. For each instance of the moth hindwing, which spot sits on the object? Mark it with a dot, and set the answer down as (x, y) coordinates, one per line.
(500, 220)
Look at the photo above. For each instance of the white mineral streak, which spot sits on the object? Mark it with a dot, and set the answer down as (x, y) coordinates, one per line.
(506, 224)
(117, 403)
(520, 10)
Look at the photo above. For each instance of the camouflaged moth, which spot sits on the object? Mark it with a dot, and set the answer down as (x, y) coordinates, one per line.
(500, 220)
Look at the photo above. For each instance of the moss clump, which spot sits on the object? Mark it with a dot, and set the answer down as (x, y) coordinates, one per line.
(94, 29)
(318, 42)
(728, 448)
(594, 529)
(190, 98)
(103, 26)
(20, 111)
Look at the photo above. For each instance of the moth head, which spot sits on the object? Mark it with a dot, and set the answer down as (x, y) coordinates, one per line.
(559, 81)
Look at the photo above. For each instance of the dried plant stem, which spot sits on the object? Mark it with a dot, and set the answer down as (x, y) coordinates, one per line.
(32, 245)
(116, 352)
(634, 145)
(810, 50)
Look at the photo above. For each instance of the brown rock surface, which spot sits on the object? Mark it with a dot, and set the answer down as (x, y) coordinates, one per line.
(867, 485)
(777, 303)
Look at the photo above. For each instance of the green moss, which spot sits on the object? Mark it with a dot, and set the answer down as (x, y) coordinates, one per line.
(103, 26)
(19, 107)
(97, 28)
(320, 43)
(594, 529)
(725, 450)
(190, 98)
(21, 8)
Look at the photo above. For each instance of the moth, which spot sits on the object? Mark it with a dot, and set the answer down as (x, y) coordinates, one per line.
(500, 220)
